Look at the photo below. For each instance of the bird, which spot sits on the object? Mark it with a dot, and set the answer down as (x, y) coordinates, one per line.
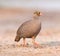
(29, 29)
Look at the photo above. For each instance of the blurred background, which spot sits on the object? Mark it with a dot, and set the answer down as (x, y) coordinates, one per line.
(14, 12)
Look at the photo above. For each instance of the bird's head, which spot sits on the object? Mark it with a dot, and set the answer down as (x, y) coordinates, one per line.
(37, 13)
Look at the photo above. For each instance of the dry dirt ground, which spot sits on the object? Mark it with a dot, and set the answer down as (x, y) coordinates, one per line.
(12, 50)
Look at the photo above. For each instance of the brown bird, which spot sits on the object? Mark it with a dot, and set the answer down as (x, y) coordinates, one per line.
(29, 29)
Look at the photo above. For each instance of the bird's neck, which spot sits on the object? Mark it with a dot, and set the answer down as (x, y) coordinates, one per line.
(36, 17)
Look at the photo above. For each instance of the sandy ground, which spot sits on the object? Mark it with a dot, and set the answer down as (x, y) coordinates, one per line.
(48, 38)
(11, 50)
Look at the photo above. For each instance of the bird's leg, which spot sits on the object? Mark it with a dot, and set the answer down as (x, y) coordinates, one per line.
(24, 42)
(34, 43)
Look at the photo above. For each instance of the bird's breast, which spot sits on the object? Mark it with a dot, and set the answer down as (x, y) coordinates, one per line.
(29, 28)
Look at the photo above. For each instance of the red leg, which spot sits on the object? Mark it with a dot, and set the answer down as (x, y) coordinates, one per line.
(35, 43)
(24, 42)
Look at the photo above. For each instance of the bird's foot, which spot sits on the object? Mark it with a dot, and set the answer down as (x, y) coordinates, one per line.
(36, 45)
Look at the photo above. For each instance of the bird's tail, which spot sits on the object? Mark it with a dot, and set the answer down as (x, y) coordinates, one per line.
(17, 38)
